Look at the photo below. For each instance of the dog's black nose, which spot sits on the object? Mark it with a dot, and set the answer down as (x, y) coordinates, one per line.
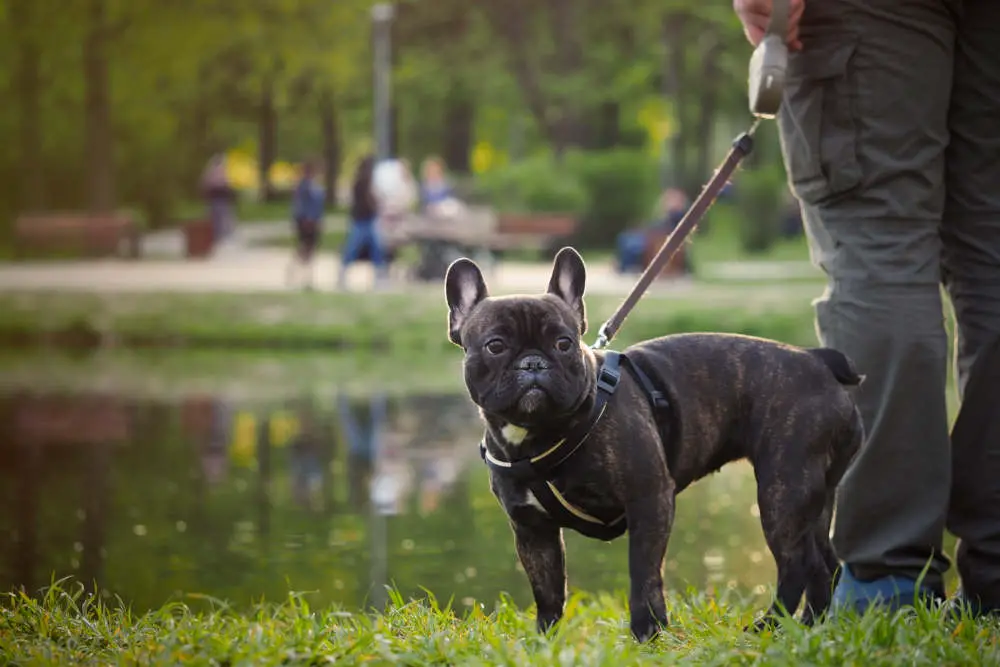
(533, 363)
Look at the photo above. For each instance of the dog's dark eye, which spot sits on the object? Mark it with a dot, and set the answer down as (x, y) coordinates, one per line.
(495, 346)
(564, 344)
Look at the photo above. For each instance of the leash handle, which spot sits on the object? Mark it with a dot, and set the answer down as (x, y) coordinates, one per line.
(769, 64)
(742, 146)
(778, 25)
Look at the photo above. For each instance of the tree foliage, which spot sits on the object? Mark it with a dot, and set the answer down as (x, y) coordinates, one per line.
(120, 102)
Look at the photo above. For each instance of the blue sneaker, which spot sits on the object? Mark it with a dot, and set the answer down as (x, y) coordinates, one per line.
(960, 602)
(892, 593)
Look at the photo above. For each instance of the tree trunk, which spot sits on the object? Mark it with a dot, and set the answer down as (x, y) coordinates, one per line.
(459, 118)
(97, 111)
(608, 133)
(511, 20)
(566, 28)
(673, 38)
(707, 109)
(268, 128)
(28, 84)
(332, 153)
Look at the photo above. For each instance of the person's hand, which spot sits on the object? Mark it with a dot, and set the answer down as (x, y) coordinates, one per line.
(756, 14)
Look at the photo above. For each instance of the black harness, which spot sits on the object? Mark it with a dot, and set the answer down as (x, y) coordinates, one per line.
(538, 471)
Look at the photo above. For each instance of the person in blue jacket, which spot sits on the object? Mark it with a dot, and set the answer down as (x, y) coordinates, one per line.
(308, 203)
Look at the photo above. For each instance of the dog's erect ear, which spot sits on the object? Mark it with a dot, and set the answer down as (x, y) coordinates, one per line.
(568, 281)
(464, 288)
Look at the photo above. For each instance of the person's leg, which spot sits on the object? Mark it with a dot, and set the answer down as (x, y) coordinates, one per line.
(377, 253)
(971, 265)
(296, 259)
(864, 130)
(307, 248)
(309, 252)
(353, 244)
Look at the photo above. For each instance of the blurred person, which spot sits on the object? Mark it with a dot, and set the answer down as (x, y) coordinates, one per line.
(362, 236)
(890, 132)
(308, 202)
(220, 197)
(632, 244)
(360, 452)
(395, 193)
(215, 446)
(307, 459)
(434, 186)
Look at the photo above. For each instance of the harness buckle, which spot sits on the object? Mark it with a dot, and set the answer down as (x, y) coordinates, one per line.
(608, 379)
(659, 400)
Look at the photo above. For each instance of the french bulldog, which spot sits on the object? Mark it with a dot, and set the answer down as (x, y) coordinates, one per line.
(684, 406)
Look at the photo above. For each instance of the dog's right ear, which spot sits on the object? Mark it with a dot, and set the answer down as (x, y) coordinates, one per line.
(464, 288)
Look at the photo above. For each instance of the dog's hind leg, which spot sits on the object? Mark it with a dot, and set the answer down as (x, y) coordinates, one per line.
(823, 566)
(826, 567)
(789, 511)
(822, 538)
(850, 441)
(793, 575)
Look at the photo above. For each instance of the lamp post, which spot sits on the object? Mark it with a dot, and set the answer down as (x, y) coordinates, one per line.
(382, 15)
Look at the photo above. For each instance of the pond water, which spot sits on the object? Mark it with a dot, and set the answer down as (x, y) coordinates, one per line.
(205, 496)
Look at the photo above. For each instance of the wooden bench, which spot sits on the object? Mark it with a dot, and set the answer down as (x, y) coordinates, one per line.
(81, 234)
(533, 231)
(480, 233)
(479, 228)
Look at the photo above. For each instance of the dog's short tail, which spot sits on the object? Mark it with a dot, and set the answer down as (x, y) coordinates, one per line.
(839, 364)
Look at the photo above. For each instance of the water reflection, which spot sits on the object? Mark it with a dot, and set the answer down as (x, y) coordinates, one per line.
(334, 494)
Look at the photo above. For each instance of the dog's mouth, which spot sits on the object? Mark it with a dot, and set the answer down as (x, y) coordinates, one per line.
(532, 400)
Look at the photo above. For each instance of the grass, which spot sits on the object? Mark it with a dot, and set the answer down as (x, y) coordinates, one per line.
(69, 627)
(255, 375)
(414, 320)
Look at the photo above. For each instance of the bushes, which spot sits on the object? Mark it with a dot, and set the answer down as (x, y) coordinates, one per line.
(536, 185)
(608, 191)
(621, 187)
(760, 196)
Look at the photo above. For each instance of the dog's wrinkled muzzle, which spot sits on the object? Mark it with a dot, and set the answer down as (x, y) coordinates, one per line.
(534, 363)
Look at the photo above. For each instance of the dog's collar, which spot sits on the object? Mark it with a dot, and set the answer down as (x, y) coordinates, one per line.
(536, 471)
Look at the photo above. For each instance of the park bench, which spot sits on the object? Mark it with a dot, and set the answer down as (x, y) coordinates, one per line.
(535, 231)
(478, 232)
(79, 234)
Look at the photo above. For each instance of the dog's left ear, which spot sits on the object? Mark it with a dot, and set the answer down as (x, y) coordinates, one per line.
(464, 288)
(568, 281)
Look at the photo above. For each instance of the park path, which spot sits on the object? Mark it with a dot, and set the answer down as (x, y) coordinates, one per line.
(244, 264)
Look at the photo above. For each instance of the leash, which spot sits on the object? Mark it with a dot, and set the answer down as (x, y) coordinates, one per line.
(766, 83)
(742, 146)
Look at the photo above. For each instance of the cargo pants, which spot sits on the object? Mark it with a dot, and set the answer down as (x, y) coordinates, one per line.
(890, 131)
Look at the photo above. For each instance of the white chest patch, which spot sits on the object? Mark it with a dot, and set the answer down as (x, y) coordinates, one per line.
(514, 435)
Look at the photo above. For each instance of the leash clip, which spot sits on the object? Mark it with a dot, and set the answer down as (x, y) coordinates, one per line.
(602, 338)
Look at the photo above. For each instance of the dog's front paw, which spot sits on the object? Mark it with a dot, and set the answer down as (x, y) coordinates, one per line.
(766, 622)
(645, 626)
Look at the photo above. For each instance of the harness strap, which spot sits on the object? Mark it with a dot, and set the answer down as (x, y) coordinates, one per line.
(536, 471)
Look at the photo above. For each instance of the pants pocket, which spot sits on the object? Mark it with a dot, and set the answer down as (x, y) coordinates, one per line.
(817, 122)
